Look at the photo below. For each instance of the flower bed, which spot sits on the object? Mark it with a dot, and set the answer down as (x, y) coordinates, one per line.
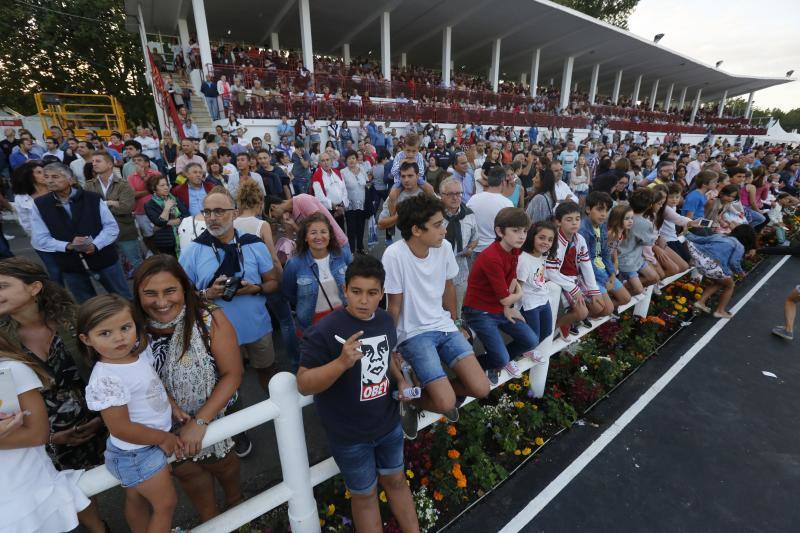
(451, 466)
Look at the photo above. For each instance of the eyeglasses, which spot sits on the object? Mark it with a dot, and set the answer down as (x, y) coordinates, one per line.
(452, 194)
(216, 213)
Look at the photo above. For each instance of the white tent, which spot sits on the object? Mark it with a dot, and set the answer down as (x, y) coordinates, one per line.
(776, 133)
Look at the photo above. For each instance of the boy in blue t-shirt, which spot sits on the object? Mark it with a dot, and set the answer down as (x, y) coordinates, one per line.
(695, 203)
(346, 362)
(411, 154)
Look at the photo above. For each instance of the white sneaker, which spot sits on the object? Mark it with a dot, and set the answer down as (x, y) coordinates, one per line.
(512, 368)
(8, 237)
(533, 356)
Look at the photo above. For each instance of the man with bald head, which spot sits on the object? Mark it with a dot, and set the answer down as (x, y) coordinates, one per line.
(236, 272)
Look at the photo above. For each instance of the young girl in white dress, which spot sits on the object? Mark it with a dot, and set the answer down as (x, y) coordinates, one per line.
(34, 495)
(126, 390)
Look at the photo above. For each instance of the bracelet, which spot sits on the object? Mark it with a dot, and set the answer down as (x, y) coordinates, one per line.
(458, 322)
(50, 439)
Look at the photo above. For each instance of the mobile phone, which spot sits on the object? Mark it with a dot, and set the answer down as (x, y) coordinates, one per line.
(9, 401)
(705, 223)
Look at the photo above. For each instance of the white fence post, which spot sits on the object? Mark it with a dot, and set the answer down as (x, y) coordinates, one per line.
(643, 306)
(289, 432)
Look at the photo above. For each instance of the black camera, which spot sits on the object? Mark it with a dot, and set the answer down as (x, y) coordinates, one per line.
(232, 285)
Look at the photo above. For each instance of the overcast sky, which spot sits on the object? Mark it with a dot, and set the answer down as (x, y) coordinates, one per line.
(752, 38)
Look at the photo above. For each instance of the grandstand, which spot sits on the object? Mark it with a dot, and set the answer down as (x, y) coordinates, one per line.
(411, 60)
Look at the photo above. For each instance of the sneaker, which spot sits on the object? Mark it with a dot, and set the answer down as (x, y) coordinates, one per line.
(781, 332)
(563, 332)
(614, 316)
(409, 420)
(512, 368)
(656, 290)
(588, 323)
(533, 356)
(451, 415)
(573, 329)
(494, 376)
(9, 237)
(242, 445)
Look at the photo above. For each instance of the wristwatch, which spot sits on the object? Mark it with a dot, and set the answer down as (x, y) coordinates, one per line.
(200, 422)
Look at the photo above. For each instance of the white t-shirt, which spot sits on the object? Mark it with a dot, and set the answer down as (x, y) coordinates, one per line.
(421, 282)
(564, 193)
(133, 384)
(486, 205)
(35, 496)
(530, 271)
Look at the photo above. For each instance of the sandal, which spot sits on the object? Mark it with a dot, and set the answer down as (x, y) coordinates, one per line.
(701, 307)
(723, 314)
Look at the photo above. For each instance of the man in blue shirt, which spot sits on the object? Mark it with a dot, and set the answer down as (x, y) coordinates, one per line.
(23, 153)
(568, 158)
(285, 130)
(694, 205)
(220, 254)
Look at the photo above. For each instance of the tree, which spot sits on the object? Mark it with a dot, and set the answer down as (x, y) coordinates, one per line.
(614, 12)
(72, 46)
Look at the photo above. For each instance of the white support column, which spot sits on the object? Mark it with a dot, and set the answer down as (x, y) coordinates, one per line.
(403, 60)
(749, 109)
(636, 87)
(346, 53)
(617, 86)
(696, 106)
(305, 35)
(496, 64)
(535, 71)
(722, 104)
(201, 28)
(668, 97)
(566, 81)
(386, 46)
(274, 43)
(593, 84)
(653, 95)
(183, 35)
(523, 78)
(447, 43)
(162, 121)
(682, 99)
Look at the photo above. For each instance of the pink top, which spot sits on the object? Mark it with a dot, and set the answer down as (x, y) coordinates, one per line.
(139, 184)
(304, 205)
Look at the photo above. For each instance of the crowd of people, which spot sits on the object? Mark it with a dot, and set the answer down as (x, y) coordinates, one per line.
(201, 247)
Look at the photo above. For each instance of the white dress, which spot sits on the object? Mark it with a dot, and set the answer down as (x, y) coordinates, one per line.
(34, 495)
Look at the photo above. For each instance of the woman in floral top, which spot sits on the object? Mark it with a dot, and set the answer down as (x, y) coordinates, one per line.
(39, 319)
(197, 358)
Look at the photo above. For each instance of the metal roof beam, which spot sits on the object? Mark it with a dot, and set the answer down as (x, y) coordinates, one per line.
(280, 16)
(437, 32)
(365, 23)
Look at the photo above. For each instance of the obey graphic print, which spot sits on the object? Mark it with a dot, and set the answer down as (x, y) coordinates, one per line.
(374, 367)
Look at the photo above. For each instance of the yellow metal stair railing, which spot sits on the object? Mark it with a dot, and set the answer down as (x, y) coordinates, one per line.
(83, 113)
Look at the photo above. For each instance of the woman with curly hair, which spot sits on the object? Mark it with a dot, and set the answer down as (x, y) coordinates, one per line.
(39, 321)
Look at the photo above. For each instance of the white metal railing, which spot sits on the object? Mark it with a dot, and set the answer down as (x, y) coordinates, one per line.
(285, 408)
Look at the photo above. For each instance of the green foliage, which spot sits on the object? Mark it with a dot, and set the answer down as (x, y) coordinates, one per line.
(71, 46)
(614, 12)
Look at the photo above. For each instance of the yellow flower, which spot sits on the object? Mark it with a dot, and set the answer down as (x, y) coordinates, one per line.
(383, 497)
(517, 452)
(535, 407)
(539, 441)
(689, 287)
(321, 522)
(526, 451)
(410, 474)
(699, 290)
(697, 296)
(331, 509)
(519, 405)
(682, 300)
(347, 495)
(668, 298)
(678, 307)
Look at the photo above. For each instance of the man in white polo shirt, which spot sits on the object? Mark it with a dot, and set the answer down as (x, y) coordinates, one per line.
(487, 204)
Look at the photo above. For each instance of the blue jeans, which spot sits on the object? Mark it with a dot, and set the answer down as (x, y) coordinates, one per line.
(300, 185)
(427, 351)
(540, 320)
(361, 463)
(488, 327)
(132, 252)
(213, 107)
(112, 278)
(53, 270)
(754, 218)
(279, 306)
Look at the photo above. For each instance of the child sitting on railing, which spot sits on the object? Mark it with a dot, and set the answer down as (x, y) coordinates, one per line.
(346, 362)
(635, 272)
(571, 270)
(535, 302)
(725, 212)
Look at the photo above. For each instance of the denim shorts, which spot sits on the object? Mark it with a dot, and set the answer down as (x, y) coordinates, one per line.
(132, 467)
(427, 351)
(362, 463)
(625, 276)
(617, 285)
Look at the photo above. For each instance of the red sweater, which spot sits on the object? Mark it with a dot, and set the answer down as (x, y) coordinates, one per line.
(489, 278)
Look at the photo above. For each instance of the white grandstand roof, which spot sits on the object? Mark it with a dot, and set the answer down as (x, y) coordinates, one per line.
(416, 28)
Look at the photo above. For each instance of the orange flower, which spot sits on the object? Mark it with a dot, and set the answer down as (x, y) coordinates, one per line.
(424, 481)
(438, 496)
(442, 420)
(457, 470)
(453, 454)
(461, 482)
(451, 430)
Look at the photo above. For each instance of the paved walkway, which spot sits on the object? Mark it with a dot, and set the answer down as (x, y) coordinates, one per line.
(716, 450)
